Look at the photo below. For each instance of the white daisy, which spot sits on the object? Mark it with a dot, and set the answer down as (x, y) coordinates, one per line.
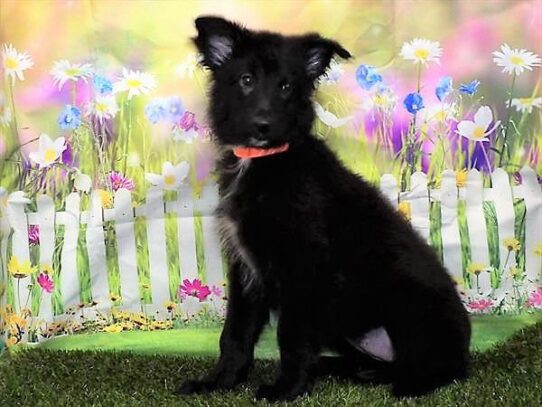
(438, 113)
(64, 71)
(383, 99)
(188, 67)
(171, 177)
(82, 182)
(477, 130)
(5, 112)
(103, 107)
(135, 82)
(421, 51)
(49, 151)
(329, 118)
(14, 62)
(515, 60)
(523, 105)
(333, 74)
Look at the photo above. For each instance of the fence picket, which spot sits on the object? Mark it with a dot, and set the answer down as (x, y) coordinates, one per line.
(20, 249)
(69, 279)
(126, 251)
(4, 238)
(504, 208)
(476, 223)
(95, 239)
(418, 197)
(389, 188)
(156, 238)
(46, 223)
(533, 227)
(451, 242)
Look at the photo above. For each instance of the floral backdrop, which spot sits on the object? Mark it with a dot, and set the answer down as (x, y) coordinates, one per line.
(99, 96)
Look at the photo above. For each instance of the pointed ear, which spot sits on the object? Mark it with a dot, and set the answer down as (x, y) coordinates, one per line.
(318, 53)
(216, 39)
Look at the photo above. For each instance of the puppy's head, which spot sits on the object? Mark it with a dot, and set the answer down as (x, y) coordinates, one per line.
(262, 82)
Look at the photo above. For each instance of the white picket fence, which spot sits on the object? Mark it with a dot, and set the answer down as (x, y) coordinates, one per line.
(123, 214)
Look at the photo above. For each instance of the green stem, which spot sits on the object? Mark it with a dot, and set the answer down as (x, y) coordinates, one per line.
(508, 113)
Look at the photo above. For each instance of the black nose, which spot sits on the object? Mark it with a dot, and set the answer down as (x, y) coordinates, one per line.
(262, 126)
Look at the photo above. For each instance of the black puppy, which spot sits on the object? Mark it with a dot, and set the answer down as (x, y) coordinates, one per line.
(310, 240)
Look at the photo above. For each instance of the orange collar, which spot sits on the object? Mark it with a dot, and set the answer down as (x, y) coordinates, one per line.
(255, 152)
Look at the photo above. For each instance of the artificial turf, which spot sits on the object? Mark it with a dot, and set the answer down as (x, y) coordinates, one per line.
(508, 374)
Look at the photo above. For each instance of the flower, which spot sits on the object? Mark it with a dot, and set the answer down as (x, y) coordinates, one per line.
(421, 51)
(168, 109)
(67, 155)
(170, 305)
(476, 268)
(367, 77)
(115, 328)
(439, 113)
(333, 73)
(535, 299)
(461, 178)
(135, 82)
(102, 85)
(444, 87)
(383, 99)
(49, 151)
(47, 269)
(5, 112)
(470, 88)
(18, 269)
(330, 119)
(114, 298)
(106, 198)
(187, 129)
(194, 288)
(69, 118)
(14, 62)
(480, 305)
(413, 102)
(404, 209)
(511, 244)
(118, 181)
(82, 182)
(187, 68)
(103, 107)
(515, 61)
(478, 129)
(172, 176)
(45, 282)
(34, 234)
(216, 291)
(525, 105)
(64, 71)
(514, 272)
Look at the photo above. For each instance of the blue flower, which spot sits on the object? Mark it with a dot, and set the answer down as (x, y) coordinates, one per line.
(69, 118)
(169, 109)
(413, 102)
(102, 85)
(367, 76)
(444, 87)
(471, 88)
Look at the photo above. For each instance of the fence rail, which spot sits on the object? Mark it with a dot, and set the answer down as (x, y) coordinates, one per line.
(16, 220)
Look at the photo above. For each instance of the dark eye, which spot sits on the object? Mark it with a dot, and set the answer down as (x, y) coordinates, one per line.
(285, 86)
(246, 80)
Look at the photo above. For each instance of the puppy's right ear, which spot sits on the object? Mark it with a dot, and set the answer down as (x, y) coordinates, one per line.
(216, 40)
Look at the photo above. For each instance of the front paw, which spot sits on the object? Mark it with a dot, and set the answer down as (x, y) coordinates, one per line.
(280, 392)
(218, 383)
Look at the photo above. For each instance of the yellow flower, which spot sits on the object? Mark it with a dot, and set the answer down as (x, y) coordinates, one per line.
(106, 198)
(26, 312)
(514, 272)
(47, 269)
(15, 319)
(538, 249)
(404, 209)
(170, 305)
(20, 270)
(127, 325)
(512, 244)
(461, 178)
(114, 297)
(458, 281)
(113, 328)
(13, 265)
(476, 268)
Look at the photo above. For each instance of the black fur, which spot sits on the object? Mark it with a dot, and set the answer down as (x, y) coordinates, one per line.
(309, 239)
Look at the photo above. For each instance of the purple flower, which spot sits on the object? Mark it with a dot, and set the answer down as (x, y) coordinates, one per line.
(34, 234)
(216, 291)
(119, 181)
(193, 288)
(470, 88)
(67, 155)
(188, 121)
(413, 102)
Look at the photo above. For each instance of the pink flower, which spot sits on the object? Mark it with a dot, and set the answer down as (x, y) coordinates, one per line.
(188, 121)
(216, 290)
(45, 282)
(34, 234)
(480, 305)
(119, 181)
(535, 299)
(193, 288)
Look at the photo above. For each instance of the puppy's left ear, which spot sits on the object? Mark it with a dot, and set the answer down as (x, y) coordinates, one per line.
(318, 53)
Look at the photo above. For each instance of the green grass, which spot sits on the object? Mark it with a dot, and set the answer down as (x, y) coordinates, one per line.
(506, 375)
